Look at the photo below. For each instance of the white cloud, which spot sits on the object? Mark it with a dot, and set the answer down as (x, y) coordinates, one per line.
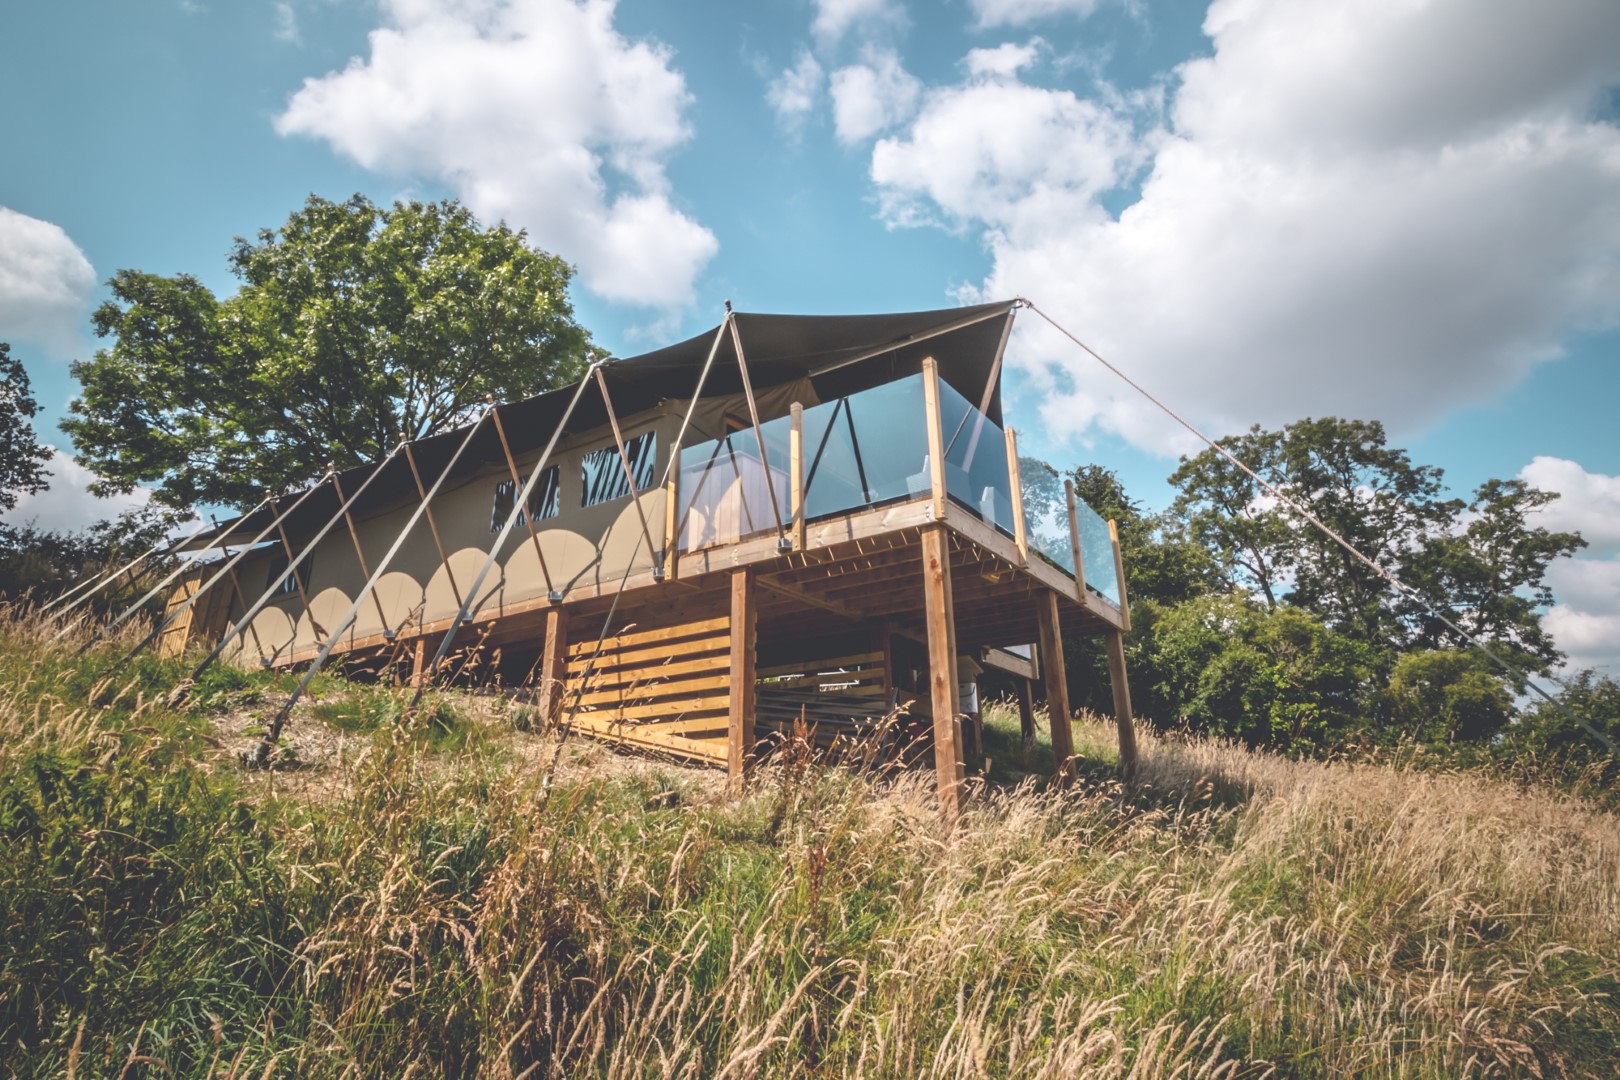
(45, 282)
(1386, 209)
(67, 505)
(287, 23)
(1589, 503)
(1004, 61)
(835, 18)
(796, 92)
(872, 96)
(538, 112)
(1585, 621)
(1021, 12)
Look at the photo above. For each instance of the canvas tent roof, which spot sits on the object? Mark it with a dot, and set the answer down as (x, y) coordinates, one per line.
(840, 354)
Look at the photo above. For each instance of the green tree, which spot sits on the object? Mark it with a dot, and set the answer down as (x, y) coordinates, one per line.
(22, 456)
(1442, 697)
(352, 325)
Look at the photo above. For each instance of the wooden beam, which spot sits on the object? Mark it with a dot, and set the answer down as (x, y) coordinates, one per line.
(942, 670)
(672, 498)
(740, 728)
(1016, 484)
(1122, 703)
(803, 597)
(553, 664)
(936, 437)
(1057, 686)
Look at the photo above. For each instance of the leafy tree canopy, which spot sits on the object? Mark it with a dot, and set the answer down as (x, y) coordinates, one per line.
(22, 457)
(1478, 562)
(353, 324)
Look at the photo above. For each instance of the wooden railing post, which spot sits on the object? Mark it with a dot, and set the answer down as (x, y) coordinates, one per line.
(936, 436)
(796, 464)
(740, 728)
(1016, 486)
(1074, 541)
(1057, 682)
(1123, 719)
(1119, 577)
(672, 521)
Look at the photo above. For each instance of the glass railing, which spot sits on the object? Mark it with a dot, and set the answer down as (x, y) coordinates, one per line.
(869, 449)
(976, 473)
(1097, 553)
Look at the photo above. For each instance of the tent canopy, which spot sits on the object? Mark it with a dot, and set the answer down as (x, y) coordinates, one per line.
(840, 354)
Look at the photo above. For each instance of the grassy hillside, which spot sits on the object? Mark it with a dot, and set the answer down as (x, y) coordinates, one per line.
(453, 896)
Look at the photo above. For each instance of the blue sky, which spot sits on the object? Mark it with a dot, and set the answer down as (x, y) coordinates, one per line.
(1264, 209)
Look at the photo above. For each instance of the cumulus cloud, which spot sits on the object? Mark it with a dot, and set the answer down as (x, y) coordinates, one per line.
(1004, 61)
(67, 505)
(1585, 622)
(287, 23)
(872, 96)
(45, 282)
(835, 18)
(1021, 12)
(1386, 209)
(538, 112)
(795, 93)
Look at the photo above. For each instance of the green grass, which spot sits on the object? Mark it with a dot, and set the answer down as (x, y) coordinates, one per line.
(454, 907)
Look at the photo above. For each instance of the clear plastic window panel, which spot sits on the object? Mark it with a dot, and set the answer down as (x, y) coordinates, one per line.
(976, 475)
(278, 566)
(545, 502)
(602, 477)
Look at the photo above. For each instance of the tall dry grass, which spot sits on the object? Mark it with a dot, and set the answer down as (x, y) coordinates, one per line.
(467, 908)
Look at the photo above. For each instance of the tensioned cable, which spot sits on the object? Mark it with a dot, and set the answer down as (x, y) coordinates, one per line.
(1395, 582)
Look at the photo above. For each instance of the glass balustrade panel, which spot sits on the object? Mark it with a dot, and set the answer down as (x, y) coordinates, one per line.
(976, 475)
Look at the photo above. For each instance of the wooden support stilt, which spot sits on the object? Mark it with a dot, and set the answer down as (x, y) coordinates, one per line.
(1026, 709)
(1122, 703)
(942, 669)
(419, 662)
(1057, 685)
(554, 665)
(744, 618)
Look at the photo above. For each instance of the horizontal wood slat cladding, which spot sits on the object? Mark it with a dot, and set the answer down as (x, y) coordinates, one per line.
(660, 688)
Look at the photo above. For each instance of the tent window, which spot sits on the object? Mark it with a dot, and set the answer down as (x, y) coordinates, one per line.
(602, 476)
(545, 502)
(278, 566)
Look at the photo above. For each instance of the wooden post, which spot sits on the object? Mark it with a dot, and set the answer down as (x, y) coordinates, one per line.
(796, 463)
(942, 669)
(936, 435)
(1119, 577)
(419, 662)
(1026, 709)
(1074, 541)
(672, 497)
(1057, 685)
(553, 665)
(1122, 703)
(1016, 483)
(744, 616)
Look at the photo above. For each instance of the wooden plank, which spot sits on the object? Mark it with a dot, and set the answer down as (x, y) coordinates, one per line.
(672, 499)
(1020, 527)
(1122, 702)
(649, 692)
(936, 437)
(711, 750)
(948, 765)
(553, 663)
(1011, 663)
(828, 664)
(602, 675)
(650, 657)
(1057, 686)
(744, 636)
(673, 710)
(622, 639)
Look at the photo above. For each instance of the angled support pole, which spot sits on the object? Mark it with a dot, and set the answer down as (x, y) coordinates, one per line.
(236, 589)
(1057, 682)
(523, 511)
(759, 434)
(108, 579)
(359, 553)
(273, 732)
(629, 473)
(464, 613)
(438, 542)
(292, 564)
(673, 466)
(941, 619)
